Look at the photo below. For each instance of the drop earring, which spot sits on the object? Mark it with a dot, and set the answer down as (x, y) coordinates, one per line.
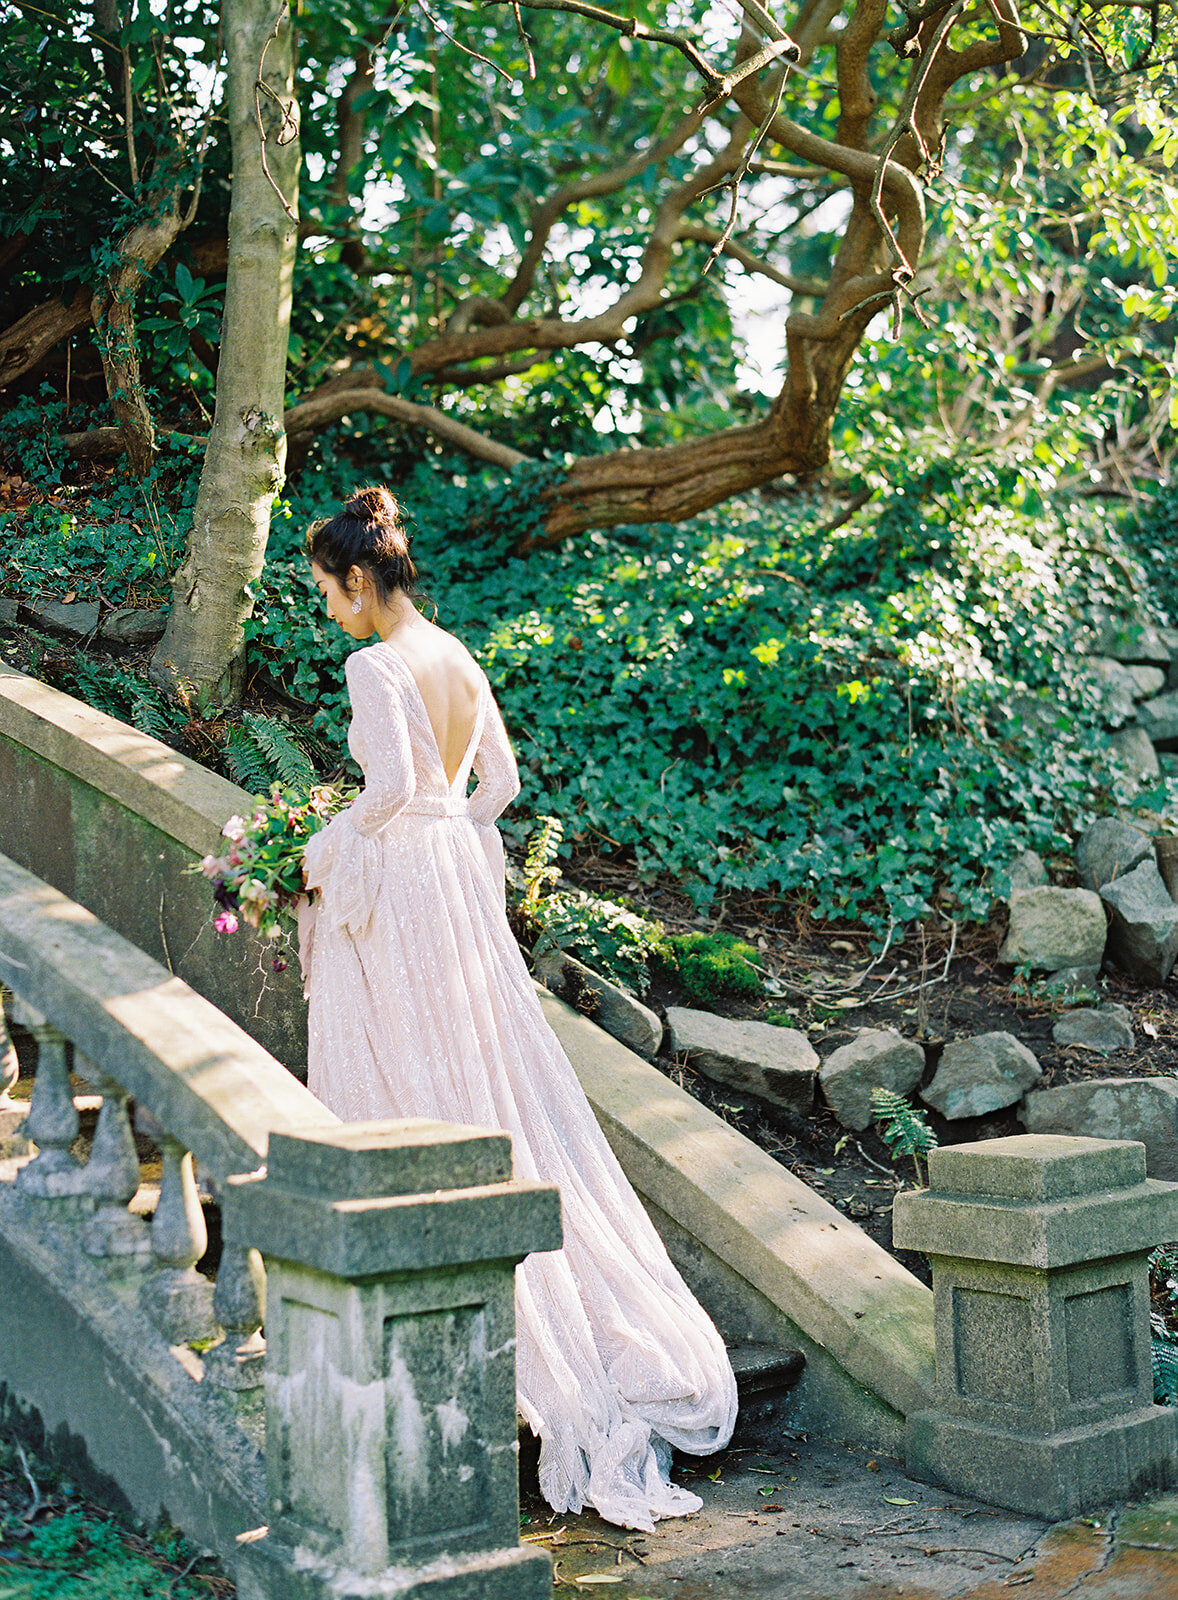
(357, 606)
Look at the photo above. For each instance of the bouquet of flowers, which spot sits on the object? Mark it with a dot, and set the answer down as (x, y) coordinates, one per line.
(260, 876)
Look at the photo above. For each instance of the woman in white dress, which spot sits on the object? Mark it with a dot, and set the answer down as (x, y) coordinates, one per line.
(421, 1006)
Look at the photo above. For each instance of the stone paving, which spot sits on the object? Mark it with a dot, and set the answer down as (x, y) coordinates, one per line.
(815, 1521)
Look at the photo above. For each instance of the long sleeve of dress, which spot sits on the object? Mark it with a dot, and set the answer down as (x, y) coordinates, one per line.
(343, 859)
(498, 784)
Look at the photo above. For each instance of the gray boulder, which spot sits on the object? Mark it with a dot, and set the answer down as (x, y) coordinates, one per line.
(1135, 750)
(1159, 718)
(1145, 1109)
(9, 609)
(1025, 871)
(1054, 928)
(1133, 641)
(1143, 934)
(134, 626)
(637, 1026)
(1149, 680)
(1106, 1030)
(1118, 687)
(1108, 850)
(777, 1064)
(77, 620)
(878, 1059)
(1071, 980)
(982, 1074)
(1168, 761)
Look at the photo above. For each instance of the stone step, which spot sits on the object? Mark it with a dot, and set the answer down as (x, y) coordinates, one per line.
(764, 1370)
(764, 1375)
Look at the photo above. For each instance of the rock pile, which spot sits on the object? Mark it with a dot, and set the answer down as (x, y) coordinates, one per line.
(1124, 913)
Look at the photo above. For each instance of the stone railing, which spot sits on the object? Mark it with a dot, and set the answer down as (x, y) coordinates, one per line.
(401, 1232)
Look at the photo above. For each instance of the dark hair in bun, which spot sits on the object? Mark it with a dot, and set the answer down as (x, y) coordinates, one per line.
(367, 533)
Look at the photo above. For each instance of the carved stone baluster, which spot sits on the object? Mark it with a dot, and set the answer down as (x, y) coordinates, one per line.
(176, 1297)
(9, 1066)
(239, 1305)
(112, 1177)
(52, 1122)
(12, 1112)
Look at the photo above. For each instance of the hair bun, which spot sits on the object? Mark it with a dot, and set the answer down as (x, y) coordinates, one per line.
(374, 504)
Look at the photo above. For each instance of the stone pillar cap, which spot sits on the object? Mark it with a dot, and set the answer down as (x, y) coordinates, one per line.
(1036, 1167)
(376, 1160)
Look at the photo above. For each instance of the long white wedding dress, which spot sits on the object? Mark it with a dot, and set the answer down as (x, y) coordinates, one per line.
(421, 1006)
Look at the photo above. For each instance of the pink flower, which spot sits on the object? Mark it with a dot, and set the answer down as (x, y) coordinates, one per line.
(234, 829)
(226, 922)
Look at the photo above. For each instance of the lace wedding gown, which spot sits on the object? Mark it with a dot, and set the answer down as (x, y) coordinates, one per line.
(421, 1006)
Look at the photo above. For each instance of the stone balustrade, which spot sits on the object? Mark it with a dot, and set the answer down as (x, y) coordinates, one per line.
(391, 1251)
(1039, 1247)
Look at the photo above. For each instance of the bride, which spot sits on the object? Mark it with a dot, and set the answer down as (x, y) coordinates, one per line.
(421, 1006)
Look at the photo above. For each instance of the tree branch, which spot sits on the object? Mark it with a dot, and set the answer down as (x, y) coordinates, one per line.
(547, 214)
(629, 28)
(310, 416)
(700, 231)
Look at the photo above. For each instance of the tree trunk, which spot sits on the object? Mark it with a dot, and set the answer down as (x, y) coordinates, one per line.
(243, 468)
(113, 314)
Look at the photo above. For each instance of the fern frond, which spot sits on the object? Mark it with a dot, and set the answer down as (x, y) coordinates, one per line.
(539, 869)
(248, 765)
(290, 763)
(1164, 1359)
(903, 1128)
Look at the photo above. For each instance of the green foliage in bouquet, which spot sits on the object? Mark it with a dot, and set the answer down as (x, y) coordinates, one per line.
(260, 875)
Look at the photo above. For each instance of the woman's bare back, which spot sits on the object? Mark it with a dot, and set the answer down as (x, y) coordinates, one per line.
(449, 682)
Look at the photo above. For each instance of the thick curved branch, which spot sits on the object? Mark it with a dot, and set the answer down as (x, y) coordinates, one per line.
(309, 416)
(25, 344)
(857, 97)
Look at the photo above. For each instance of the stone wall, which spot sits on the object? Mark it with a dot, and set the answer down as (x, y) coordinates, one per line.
(62, 765)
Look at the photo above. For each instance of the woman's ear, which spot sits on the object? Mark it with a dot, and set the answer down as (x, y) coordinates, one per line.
(355, 582)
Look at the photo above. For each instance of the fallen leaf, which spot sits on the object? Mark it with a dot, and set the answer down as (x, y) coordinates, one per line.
(873, 1466)
(1148, 1027)
(898, 1500)
(598, 1577)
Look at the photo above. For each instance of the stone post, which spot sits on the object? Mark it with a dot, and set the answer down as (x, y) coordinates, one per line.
(391, 1453)
(1039, 1247)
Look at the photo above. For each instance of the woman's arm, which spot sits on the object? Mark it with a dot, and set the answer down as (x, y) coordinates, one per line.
(343, 857)
(495, 768)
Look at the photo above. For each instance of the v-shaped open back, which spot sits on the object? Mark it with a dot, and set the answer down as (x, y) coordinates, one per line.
(462, 774)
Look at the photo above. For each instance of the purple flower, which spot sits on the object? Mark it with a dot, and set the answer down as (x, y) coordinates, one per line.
(278, 964)
(225, 923)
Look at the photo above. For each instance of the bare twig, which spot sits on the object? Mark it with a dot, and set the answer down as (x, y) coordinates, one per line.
(36, 1502)
(129, 119)
(906, 123)
(465, 48)
(289, 128)
(629, 28)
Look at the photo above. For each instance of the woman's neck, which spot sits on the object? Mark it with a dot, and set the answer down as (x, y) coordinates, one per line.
(396, 614)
